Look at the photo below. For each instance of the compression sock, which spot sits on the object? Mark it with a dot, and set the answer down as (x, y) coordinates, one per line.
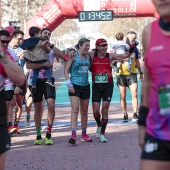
(83, 130)
(73, 132)
(49, 129)
(98, 121)
(28, 117)
(104, 124)
(38, 130)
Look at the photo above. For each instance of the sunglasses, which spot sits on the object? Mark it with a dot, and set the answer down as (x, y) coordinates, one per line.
(103, 45)
(5, 41)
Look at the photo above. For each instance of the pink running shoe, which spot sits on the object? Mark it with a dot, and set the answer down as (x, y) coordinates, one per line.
(86, 138)
(72, 140)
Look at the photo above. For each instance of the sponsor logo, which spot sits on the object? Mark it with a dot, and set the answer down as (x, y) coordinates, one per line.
(150, 147)
(157, 48)
(83, 69)
(101, 78)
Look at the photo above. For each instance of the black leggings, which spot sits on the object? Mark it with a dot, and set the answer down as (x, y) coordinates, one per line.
(3, 114)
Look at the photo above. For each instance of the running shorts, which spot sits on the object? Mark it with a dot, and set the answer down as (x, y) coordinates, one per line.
(126, 80)
(43, 90)
(4, 136)
(155, 149)
(102, 91)
(83, 92)
(5, 141)
(9, 95)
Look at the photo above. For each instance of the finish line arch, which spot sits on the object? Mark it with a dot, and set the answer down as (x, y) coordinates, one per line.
(56, 11)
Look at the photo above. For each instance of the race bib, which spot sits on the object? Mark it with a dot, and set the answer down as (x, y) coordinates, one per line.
(101, 78)
(83, 69)
(164, 99)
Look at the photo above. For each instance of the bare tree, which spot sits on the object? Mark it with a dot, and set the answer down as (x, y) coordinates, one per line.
(124, 25)
(63, 33)
(23, 10)
(20, 10)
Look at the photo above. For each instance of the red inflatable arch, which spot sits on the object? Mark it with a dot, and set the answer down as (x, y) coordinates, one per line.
(56, 11)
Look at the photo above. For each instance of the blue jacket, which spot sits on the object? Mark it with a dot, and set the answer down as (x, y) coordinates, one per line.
(30, 43)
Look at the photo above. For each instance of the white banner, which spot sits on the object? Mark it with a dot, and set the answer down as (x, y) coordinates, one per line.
(91, 5)
(120, 7)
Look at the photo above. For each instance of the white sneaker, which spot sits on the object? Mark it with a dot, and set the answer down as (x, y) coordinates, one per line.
(98, 132)
(27, 120)
(44, 127)
(102, 139)
(27, 124)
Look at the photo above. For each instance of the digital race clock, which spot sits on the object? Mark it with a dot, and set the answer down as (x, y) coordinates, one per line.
(95, 15)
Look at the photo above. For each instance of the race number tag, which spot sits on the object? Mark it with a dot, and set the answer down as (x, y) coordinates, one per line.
(164, 99)
(101, 78)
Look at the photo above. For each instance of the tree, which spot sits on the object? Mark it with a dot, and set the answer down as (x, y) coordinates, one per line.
(20, 10)
(64, 32)
(23, 10)
(124, 25)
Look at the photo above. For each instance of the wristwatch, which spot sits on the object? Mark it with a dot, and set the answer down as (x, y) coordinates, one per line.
(2, 54)
(52, 45)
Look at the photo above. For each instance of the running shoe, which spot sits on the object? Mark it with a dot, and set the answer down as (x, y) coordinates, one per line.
(103, 139)
(98, 132)
(27, 121)
(44, 128)
(86, 138)
(125, 118)
(18, 130)
(48, 140)
(12, 130)
(38, 140)
(72, 140)
(49, 83)
(135, 117)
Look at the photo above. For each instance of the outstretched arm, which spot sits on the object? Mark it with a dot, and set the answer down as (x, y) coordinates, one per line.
(139, 69)
(66, 74)
(114, 56)
(67, 68)
(145, 89)
(146, 82)
(120, 57)
(31, 65)
(56, 51)
(144, 108)
(12, 70)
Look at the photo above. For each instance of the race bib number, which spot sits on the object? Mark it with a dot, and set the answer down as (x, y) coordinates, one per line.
(83, 67)
(101, 78)
(164, 99)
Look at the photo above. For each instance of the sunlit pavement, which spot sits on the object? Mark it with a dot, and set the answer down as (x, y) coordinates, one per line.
(120, 152)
